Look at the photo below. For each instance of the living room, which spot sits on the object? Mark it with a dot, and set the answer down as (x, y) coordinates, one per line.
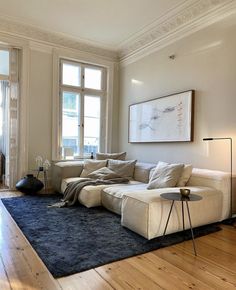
(175, 46)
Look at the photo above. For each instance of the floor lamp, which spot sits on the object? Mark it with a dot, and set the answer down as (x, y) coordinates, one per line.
(231, 168)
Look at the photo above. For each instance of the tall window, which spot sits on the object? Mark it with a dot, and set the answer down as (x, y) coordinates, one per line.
(83, 93)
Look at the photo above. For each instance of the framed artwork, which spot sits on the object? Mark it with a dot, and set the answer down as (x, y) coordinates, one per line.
(164, 119)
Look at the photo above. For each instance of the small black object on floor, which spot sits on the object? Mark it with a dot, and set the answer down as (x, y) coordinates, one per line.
(229, 221)
(74, 239)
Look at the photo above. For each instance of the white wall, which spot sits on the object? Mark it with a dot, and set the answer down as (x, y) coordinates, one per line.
(205, 62)
(40, 106)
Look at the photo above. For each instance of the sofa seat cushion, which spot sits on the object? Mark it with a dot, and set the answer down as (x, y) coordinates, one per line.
(112, 196)
(90, 195)
(146, 212)
(65, 182)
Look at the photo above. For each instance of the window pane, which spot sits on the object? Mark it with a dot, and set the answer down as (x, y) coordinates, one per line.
(91, 145)
(70, 123)
(92, 108)
(4, 62)
(71, 74)
(93, 78)
(91, 128)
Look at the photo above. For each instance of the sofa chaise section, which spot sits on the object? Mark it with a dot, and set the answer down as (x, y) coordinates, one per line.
(145, 212)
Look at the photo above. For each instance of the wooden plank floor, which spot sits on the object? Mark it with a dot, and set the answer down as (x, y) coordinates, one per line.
(173, 267)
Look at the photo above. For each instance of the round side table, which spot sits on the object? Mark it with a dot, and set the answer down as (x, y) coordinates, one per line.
(176, 196)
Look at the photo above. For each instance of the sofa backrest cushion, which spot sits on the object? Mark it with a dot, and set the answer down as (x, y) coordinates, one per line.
(117, 156)
(185, 175)
(165, 175)
(65, 169)
(142, 171)
(92, 165)
(122, 168)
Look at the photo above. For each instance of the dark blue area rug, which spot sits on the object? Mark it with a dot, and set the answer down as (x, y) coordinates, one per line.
(71, 240)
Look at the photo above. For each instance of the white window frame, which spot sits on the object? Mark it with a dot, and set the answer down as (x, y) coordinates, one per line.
(107, 123)
(83, 91)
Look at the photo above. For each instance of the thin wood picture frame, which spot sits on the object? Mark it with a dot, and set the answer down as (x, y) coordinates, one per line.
(164, 119)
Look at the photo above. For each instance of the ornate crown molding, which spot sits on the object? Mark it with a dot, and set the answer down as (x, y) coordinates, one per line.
(50, 38)
(188, 17)
(166, 30)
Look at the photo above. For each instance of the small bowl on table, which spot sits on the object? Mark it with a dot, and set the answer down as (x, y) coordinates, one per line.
(185, 192)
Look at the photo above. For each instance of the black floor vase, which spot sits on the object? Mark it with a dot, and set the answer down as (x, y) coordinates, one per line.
(29, 184)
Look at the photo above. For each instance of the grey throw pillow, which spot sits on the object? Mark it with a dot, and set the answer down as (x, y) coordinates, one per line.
(165, 175)
(117, 156)
(122, 168)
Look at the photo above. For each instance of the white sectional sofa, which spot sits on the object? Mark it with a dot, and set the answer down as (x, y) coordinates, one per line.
(143, 210)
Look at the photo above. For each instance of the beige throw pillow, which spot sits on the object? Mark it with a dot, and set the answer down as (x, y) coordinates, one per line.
(165, 175)
(118, 156)
(92, 165)
(186, 173)
(122, 168)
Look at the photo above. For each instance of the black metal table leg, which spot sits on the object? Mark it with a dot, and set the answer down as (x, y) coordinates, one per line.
(182, 204)
(168, 217)
(195, 252)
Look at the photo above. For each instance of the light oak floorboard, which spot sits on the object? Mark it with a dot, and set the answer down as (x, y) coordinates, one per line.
(209, 273)
(4, 281)
(88, 280)
(122, 275)
(228, 234)
(213, 253)
(147, 264)
(173, 267)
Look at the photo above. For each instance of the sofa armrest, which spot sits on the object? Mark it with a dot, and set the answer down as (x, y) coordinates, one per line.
(215, 179)
(65, 169)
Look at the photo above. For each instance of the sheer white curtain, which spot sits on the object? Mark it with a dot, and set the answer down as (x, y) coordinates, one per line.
(4, 93)
(13, 120)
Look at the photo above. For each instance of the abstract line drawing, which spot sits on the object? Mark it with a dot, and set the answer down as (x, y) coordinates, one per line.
(165, 119)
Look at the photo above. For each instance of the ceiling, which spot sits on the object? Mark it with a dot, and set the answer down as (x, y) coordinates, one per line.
(117, 29)
(106, 22)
